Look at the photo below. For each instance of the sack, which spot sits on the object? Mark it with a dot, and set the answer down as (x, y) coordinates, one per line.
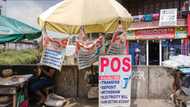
(24, 103)
(93, 92)
(21, 100)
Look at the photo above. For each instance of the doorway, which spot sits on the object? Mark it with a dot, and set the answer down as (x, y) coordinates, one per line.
(154, 52)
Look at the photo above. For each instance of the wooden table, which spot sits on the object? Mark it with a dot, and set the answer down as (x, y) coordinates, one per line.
(9, 86)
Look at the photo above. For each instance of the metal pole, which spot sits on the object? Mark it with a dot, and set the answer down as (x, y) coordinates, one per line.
(160, 52)
(147, 52)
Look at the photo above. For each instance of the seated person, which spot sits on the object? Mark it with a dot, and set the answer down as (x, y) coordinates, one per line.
(181, 86)
(186, 85)
(42, 79)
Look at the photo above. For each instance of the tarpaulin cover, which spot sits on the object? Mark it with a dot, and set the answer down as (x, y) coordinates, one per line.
(12, 30)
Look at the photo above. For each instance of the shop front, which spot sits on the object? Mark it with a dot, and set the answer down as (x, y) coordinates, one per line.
(150, 44)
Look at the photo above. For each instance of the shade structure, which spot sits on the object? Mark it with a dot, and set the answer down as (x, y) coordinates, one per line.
(94, 15)
(12, 30)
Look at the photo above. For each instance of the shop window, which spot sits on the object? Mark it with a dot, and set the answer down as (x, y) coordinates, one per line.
(137, 50)
(171, 48)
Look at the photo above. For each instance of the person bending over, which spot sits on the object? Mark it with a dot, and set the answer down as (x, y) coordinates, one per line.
(43, 78)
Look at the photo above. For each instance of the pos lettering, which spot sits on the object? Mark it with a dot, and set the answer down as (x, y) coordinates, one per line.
(115, 64)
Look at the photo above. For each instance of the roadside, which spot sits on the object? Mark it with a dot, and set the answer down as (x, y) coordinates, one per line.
(134, 103)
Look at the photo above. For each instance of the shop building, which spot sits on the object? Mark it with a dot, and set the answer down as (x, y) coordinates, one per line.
(149, 43)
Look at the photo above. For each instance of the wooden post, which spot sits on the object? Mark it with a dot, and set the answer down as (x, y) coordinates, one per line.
(14, 100)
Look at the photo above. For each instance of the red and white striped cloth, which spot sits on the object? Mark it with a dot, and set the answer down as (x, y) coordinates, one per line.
(61, 42)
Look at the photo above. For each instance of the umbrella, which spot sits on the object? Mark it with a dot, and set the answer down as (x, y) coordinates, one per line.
(94, 15)
(12, 30)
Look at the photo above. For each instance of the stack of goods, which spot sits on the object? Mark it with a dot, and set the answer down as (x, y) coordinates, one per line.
(177, 61)
(5, 101)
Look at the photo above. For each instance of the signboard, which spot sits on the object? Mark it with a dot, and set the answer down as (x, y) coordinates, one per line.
(87, 57)
(115, 81)
(161, 33)
(181, 32)
(53, 58)
(188, 24)
(168, 17)
(130, 35)
(54, 52)
(88, 53)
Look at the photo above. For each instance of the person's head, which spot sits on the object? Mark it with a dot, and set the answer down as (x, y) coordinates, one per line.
(178, 74)
(137, 50)
(38, 70)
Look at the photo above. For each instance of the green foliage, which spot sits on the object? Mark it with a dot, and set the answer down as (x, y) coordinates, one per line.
(27, 56)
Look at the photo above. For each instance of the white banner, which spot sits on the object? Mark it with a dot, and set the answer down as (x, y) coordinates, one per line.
(115, 74)
(168, 17)
(87, 57)
(53, 58)
(70, 50)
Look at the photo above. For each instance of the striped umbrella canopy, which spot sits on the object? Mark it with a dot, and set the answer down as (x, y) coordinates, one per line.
(93, 15)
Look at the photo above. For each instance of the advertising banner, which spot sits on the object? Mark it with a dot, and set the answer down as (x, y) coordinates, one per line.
(89, 53)
(118, 45)
(168, 17)
(54, 52)
(115, 74)
(181, 32)
(53, 58)
(87, 57)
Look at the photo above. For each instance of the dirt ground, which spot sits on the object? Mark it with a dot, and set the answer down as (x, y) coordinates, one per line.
(134, 103)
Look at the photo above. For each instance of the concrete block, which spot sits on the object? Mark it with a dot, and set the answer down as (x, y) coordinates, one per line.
(140, 82)
(160, 82)
(67, 81)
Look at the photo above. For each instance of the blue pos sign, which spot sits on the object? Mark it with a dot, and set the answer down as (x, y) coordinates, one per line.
(115, 81)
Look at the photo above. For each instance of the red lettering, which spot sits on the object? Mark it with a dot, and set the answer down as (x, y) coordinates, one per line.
(104, 63)
(117, 63)
(127, 65)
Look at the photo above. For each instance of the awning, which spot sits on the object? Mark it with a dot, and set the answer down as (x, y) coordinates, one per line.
(12, 30)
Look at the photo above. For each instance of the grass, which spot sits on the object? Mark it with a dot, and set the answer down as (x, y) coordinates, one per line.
(27, 56)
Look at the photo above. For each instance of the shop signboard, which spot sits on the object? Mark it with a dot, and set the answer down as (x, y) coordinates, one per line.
(161, 33)
(168, 17)
(130, 35)
(115, 73)
(181, 32)
(188, 24)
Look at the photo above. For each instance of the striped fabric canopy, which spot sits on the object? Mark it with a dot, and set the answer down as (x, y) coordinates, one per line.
(94, 15)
